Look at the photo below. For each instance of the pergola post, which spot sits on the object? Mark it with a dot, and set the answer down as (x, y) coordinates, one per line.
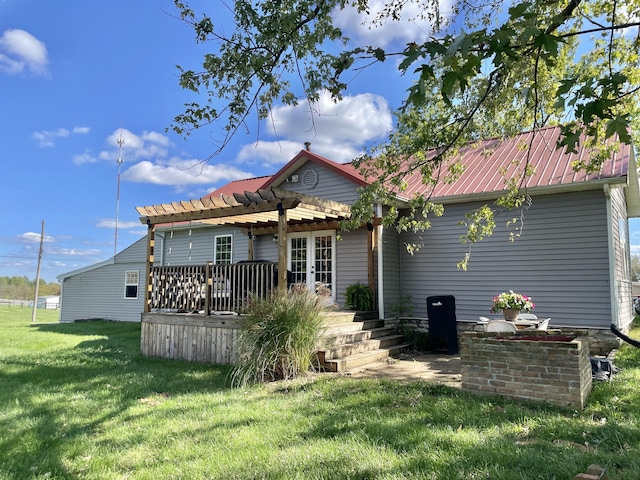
(151, 240)
(251, 242)
(370, 257)
(282, 249)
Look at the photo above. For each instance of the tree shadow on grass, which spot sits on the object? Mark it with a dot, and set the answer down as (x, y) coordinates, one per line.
(445, 433)
(52, 401)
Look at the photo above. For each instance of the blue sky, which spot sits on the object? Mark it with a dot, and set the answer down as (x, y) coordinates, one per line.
(77, 76)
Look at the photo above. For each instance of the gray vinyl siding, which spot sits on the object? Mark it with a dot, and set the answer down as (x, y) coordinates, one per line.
(330, 186)
(100, 292)
(391, 268)
(351, 262)
(561, 261)
(134, 253)
(195, 246)
(265, 248)
(623, 284)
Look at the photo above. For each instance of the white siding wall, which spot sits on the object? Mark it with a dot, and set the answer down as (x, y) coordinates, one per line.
(99, 293)
(561, 260)
(623, 285)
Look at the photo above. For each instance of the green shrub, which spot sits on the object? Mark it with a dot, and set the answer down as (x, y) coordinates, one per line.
(417, 340)
(278, 337)
(359, 297)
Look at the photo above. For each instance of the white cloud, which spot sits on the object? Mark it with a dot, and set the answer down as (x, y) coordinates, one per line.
(20, 51)
(148, 145)
(33, 237)
(182, 172)
(46, 138)
(111, 223)
(73, 252)
(83, 158)
(336, 130)
(412, 26)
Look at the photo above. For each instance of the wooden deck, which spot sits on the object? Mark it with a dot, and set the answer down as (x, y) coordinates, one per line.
(349, 340)
(192, 337)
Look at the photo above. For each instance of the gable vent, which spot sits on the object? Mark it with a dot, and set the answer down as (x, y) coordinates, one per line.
(310, 179)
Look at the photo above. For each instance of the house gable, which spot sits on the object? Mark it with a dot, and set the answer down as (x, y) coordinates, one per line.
(313, 175)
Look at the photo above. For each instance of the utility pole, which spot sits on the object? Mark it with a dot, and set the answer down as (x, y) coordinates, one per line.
(119, 161)
(35, 298)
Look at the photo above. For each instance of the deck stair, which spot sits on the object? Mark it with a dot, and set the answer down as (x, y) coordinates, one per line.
(354, 339)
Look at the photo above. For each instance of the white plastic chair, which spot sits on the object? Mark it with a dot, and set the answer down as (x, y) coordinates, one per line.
(500, 326)
(526, 316)
(544, 324)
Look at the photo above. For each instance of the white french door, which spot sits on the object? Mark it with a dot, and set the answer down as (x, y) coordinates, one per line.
(312, 262)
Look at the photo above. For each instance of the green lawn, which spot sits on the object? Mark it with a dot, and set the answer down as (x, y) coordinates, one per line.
(79, 401)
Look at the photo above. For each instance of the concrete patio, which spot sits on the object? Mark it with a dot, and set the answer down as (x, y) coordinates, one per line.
(437, 368)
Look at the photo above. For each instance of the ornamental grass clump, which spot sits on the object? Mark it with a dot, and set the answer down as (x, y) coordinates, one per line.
(279, 337)
(512, 301)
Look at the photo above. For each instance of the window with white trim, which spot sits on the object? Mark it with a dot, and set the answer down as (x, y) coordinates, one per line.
(222, 249)
(131, 283)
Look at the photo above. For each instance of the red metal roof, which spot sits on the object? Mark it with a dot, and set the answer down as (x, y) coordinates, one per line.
(240, 186)
(484, 160)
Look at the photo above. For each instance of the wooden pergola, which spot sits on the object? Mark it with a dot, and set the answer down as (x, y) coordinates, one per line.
(268, 211)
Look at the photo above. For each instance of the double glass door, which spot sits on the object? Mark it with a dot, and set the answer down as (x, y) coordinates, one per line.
(312, 262)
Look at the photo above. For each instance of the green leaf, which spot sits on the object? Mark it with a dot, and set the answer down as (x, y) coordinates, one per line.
(619, 125)
(449, 82)
(457, 43)
(569, 138)
(519, 10)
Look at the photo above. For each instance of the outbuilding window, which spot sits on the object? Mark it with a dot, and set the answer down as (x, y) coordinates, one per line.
(131, 283)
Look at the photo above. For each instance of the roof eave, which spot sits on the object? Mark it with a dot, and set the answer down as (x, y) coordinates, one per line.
(63, 276)
(545, 190)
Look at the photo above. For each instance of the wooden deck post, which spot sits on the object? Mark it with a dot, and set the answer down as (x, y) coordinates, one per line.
(151, 240)
(208, 291)
(282, 249)
(370, 262)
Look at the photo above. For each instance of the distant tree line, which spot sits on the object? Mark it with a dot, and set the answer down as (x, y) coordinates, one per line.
(21, 288)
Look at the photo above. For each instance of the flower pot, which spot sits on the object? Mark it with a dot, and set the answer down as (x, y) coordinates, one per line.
(510, 313)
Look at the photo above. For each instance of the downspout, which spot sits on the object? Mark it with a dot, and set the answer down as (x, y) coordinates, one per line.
(380, 269)
(613, 283)
(161, 237)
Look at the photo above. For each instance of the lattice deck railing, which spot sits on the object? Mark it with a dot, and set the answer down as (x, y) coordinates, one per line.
(210, 288)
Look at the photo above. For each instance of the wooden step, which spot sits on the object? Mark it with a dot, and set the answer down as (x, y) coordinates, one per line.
(340, 338)
(347, 363)
(361, 346)
(345, 316)
(349, 327)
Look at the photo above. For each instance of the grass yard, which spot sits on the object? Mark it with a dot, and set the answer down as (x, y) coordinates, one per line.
(78, 401)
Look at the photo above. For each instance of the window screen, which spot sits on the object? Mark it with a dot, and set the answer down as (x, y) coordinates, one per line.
(131, 284)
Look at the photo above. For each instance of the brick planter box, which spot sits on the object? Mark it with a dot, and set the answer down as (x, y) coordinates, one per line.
(527, 365)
